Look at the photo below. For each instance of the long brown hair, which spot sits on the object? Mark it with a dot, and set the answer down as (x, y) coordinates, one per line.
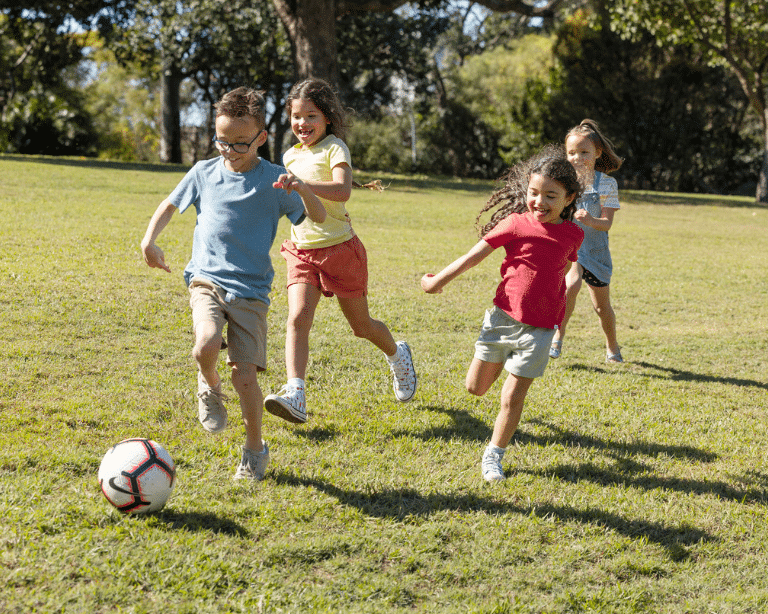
(550, 162)
(321, 94)
(609, 160)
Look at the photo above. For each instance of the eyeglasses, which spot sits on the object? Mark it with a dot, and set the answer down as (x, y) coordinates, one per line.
(240, 148)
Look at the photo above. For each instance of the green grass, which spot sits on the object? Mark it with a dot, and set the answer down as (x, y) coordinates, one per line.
(639, 487)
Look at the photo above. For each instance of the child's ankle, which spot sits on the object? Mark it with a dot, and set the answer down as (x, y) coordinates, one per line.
(296, 382)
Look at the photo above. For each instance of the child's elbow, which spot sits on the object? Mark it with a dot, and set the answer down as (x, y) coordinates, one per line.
(318, 216)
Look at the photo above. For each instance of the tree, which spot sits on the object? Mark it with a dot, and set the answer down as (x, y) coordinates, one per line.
(628, 85)
(218, 43)
(123, 105)
(39, 42)
(311, 26)
(733, 33)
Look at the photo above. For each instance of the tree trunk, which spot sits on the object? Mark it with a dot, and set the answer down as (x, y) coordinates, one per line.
(761, 196)
(311, 26)
(170, 129)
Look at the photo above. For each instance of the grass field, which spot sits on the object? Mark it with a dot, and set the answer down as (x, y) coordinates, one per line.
(639, 487)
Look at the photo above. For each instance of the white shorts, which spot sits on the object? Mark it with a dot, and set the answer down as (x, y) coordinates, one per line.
(523, 349)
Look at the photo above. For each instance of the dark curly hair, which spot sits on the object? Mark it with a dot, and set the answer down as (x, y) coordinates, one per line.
(321, 94)
(550, 162)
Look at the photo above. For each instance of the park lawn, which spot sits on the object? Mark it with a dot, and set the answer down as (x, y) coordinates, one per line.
(639, 487)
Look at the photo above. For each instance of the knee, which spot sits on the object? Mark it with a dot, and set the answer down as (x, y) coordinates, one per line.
(572, 285)
(362, 329)
(475, 388)
(604, 311)
(299, 321)
(206, 349)
(244, 377)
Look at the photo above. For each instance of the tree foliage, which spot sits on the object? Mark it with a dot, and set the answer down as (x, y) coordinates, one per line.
(732, 33)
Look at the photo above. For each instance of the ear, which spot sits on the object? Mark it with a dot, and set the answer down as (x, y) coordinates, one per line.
(262, 139)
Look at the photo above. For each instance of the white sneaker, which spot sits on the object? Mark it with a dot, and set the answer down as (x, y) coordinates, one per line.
(403, 373)
(289, 404)
(253, 464)
(491, 465)
(210, 407)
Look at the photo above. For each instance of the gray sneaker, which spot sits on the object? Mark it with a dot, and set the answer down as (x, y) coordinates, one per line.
(253, 464)
(289, 404)
(210, 407)
(403, 373)
(491, 465)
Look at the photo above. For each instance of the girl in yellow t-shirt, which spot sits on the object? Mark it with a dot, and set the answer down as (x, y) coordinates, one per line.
(326, 259)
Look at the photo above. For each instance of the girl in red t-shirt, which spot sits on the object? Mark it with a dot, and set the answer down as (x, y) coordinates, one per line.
(531, 219)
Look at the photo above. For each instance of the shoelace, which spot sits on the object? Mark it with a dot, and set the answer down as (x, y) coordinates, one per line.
(206, 395)
(491, 461)
(296, 403)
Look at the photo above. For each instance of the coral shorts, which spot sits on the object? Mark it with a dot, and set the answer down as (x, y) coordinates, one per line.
(339, 269)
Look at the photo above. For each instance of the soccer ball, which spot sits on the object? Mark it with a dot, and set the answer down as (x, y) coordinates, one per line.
(137, 476)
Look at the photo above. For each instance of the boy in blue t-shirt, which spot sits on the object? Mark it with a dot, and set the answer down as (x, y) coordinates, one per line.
(239, 199)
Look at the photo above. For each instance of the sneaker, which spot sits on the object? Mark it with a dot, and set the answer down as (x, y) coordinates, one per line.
(555, 349)
(289, 404)
(491, 465)
(210, 407)
(614, 357)
(253, 464)
(403, 373)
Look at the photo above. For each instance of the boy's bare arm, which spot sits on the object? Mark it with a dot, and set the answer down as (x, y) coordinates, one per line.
(153, 255)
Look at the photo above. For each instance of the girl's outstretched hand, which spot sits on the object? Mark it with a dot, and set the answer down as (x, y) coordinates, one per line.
(288, 182)
(429, 285)
(583, 216)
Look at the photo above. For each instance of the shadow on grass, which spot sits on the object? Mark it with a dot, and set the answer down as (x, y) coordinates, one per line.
(629, 475)
(464, 427)
(688, 376)
(401, 504)
(675, 198)
(96, 163)
(629, 472)
(618, 448)
(317, 434)
(200, 521)
(670, 373)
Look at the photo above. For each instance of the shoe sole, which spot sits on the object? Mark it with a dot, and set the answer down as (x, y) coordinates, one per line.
(275, 407)
(416, 378)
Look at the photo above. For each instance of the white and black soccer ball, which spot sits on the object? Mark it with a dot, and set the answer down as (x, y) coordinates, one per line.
(137, 476)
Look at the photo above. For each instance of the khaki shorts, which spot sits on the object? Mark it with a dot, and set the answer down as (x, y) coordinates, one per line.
(523, 349)
(340, 269)
(246, 320)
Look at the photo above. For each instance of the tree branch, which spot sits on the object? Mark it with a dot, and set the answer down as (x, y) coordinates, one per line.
(529, 8)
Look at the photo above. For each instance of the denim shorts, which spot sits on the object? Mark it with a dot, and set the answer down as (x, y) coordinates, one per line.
(523, 349)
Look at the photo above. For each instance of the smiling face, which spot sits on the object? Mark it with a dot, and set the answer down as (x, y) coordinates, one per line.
(240, 130)
(546, 199)
(307, 122)
(582, 153)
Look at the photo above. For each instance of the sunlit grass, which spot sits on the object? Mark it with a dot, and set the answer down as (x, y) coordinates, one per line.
(632, 488)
